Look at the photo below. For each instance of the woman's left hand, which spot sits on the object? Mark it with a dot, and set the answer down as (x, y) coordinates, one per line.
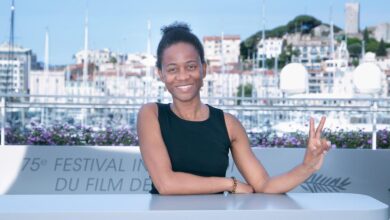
(317, 147)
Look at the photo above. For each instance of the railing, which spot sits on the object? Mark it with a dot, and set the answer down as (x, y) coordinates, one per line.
(256, 114)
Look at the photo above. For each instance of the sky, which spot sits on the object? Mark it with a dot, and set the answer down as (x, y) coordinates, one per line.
(121, 25)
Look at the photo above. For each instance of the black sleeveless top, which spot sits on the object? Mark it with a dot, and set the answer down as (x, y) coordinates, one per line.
(197, 147)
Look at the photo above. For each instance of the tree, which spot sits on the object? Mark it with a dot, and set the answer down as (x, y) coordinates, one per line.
(277, 32)
(381, 51)
(113, 60)
(366, 35)
(303, 24)
(269, 63)
(355, 62)
(353, 41)
(244, 91)
(372, 45)
(355, 50)
(285, 56)
(296, 53)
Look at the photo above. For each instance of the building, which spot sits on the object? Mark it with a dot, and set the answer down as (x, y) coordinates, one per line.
(222, 51)
(49, 83)
(312, 50)
(382, 31)
(95, 56)
(323, 66)
(15, 67)
(271, 48)
(352, 18)
(384, 65)
(132, 75)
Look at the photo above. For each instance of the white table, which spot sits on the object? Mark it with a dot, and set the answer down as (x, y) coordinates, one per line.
(292, 206)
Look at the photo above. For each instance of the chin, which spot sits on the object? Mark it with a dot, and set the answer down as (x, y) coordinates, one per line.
(184, 97)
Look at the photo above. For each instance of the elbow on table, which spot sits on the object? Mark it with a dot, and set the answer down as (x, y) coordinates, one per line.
(267, 187)
(164, 190)
(270, 191)
(165, 186)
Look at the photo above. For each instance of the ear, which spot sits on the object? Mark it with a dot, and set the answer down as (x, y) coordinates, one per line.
(204, 70)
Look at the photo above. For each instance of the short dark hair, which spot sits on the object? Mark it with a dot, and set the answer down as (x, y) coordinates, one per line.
(175, 33)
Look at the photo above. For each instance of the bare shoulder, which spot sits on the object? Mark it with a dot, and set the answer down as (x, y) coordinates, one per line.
(147, 125)
(147, 110)
(233, 126)
(149, 107)
(147, 116)
(231, 120)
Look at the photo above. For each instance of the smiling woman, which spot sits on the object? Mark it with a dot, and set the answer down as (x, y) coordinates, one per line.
(185, 144)
(182, 71)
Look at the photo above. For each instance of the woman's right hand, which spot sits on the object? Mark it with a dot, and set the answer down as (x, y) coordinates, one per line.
(243, 188)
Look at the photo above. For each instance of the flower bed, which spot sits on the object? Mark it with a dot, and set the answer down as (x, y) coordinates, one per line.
(339, 139)
(63, 134)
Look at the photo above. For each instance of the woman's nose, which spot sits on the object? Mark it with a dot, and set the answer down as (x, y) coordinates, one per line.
(183, 74)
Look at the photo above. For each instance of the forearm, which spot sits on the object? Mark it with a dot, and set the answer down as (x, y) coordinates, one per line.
(176, 183)
(287, 181)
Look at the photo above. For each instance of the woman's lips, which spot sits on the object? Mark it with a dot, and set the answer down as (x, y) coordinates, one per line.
(184, 88)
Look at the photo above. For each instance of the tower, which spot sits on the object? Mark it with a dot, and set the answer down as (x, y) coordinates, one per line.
(352, 17)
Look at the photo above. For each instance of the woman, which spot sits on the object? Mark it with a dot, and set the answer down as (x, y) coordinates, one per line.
(185, 144)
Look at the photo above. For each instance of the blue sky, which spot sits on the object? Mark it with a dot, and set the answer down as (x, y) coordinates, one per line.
(121, 24)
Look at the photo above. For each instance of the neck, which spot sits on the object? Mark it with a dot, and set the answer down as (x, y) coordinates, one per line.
(193, 111)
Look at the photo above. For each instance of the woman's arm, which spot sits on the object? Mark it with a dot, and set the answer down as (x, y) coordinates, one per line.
(156, 158)
(254, 172)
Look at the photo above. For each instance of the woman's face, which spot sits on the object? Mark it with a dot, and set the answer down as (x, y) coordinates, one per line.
(182, 71)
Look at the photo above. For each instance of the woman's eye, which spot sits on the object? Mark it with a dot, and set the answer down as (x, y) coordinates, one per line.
(171, 70)
(192, 67)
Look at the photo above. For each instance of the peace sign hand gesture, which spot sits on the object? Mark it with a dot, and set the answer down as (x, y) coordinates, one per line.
(317, 147)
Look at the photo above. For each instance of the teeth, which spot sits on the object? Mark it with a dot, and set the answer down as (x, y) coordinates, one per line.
(184, 88)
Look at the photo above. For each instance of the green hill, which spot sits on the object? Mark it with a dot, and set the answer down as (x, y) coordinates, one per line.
(303, 24)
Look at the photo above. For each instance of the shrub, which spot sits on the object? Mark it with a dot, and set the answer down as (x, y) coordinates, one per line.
(64, 134)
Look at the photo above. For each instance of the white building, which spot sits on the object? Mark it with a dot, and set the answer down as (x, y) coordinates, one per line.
(322, 66)
(384, 66)
(220, 52)
(14, 73)
(321, 30)
(271, 47)
(134, 76)
(95, 56)
(352, 17)
(382, 31)
(312, 50)
(217, 85)
(51, 83)
(340, 59)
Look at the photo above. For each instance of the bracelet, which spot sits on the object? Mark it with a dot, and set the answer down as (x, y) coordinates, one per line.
(234, 185)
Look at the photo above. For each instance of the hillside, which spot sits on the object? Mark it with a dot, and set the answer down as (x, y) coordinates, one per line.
(303, 24)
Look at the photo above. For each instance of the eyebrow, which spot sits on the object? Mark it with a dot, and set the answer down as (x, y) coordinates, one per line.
(192, 61)
(175, 64)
